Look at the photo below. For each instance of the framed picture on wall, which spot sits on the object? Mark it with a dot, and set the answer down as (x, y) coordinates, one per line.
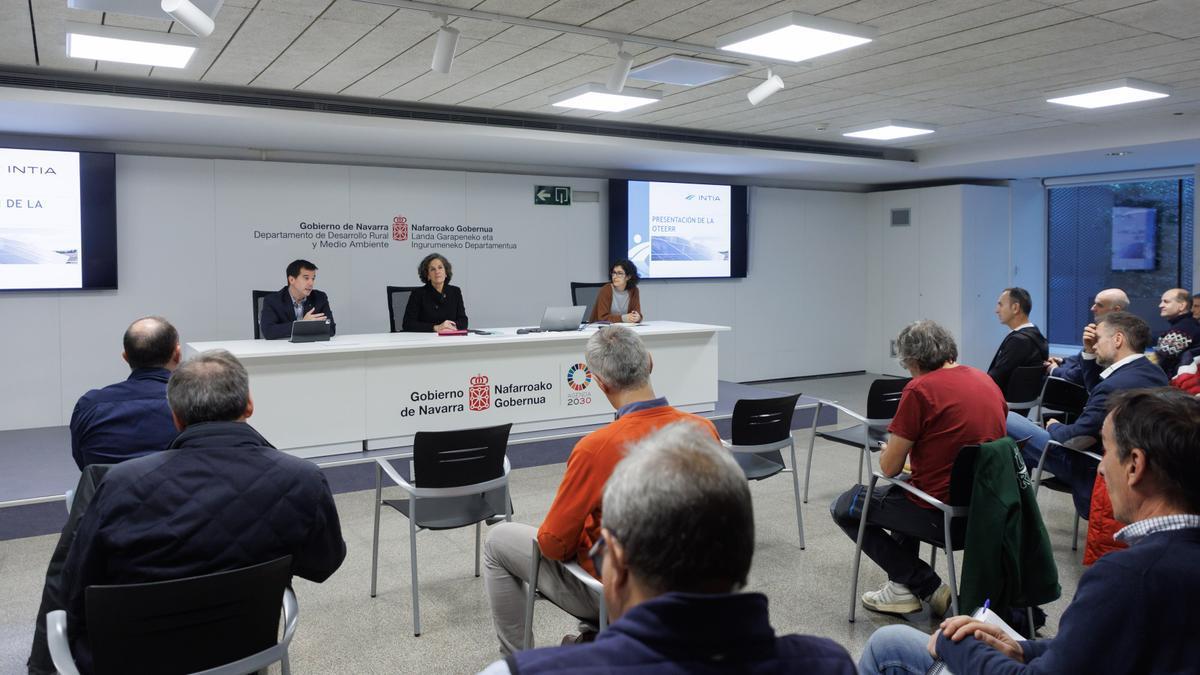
(1134, 234)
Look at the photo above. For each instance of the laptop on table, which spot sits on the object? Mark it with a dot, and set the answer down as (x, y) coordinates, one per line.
(310, 331)
(559, 319)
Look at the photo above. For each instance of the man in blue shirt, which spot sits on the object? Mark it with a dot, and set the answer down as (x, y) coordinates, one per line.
(130, 418)
(1134, 610)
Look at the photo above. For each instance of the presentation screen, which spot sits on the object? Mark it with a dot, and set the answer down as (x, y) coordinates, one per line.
(1134, 235)
(58, 220)
(678, 230)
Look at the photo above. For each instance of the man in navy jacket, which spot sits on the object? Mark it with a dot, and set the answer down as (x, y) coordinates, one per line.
(1071, 368)
(1117, 364)
(220, 498)
(1134, 610)
(676, 546)
(130, 418)
(294, 302)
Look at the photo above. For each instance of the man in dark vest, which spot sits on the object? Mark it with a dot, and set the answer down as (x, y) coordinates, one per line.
(1024, 345)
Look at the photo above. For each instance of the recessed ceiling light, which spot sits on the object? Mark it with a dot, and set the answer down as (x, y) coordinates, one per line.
(595, 96)
(687, 71)
(128, 45)
(796, 37)
(890, 130)
(1101, 95)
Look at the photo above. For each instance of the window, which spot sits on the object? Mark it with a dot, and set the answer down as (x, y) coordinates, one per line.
(1135, 235)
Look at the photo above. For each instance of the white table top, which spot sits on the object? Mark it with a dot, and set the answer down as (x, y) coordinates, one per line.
(368, 342)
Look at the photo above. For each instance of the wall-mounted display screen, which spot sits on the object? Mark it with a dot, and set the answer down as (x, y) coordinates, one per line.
(58, 220)
(1134, 235)
(679, 230)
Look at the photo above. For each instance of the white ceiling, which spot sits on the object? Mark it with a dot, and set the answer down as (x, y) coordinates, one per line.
(978, 69)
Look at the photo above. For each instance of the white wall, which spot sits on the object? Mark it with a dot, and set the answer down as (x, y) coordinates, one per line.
(186, 251)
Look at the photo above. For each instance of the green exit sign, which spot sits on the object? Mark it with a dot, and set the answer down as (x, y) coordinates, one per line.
(551, 195)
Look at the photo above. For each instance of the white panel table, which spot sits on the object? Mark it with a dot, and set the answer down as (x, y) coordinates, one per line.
(365, 392)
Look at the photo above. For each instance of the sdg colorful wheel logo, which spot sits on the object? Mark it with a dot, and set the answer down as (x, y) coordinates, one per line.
(579, 377)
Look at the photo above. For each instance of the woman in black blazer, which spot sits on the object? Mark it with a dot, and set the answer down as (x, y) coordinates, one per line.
(437, 306)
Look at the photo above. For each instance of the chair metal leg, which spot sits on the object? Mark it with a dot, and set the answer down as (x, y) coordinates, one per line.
(1075, 537)
(862, 527)
(950, 563)
(478, 527)
(412, 554)
(285, 668)
(932, 554)
(812, 440)
(603, 613)
(863, 456)
(531, 594)
(1032, 629)
(796, 492)
(375, 538)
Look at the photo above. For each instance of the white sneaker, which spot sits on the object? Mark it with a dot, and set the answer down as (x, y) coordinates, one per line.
(939, 602)
(892, 598)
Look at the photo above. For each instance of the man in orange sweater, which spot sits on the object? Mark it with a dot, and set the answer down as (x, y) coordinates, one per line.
(621, 367)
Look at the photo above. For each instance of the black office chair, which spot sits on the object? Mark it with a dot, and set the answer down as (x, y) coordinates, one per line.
(225, 623)
(1024, 390)
(1062, 400)
(256, 300)
(761, 429)
(882, 401)
(460, 478)
(397, 302)
(584, 293)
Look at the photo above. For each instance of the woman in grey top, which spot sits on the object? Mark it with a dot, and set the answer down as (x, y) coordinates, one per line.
(619, 301)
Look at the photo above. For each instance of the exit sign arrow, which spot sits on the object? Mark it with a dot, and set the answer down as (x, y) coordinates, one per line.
(551, 195)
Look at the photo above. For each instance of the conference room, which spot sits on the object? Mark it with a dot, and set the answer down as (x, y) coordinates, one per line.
(785, 214)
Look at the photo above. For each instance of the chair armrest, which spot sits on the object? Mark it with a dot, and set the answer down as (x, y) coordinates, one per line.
(582, 575)
(458, 491)
(842, 409)
(1078, 451)
(902, 481)
(291, 616)
(60, 647)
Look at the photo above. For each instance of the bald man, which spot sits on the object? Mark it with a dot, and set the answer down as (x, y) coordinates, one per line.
(1184, 332)
(1071, 368)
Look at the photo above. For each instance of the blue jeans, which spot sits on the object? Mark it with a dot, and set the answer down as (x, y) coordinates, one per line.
(1071, 468)
(896, 650)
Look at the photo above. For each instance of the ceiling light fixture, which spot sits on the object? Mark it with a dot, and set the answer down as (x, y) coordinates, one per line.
(764, 90)
(796, 37)
(189, 16)
(128, 45)
(620, 69)
(595, 96)
(447, 43)
(890, 130)
(686, 71)
(1117, 92)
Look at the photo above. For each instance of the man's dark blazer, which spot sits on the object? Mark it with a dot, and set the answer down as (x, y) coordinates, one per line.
(277, 316)
(1136, 374)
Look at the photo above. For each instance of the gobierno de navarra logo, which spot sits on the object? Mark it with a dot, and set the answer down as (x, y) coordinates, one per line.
(579, 377)
(399, 228)
(478, 396)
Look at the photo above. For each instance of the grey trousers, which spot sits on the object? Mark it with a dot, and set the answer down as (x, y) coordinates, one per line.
(507, 557)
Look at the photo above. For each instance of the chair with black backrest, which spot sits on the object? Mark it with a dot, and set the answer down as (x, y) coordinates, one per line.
(882, 401)
(397, 303)
(1052, 483)
(585, 294)
(1062, 400)
(954, 517)
(225, 623)
(459, 478)
(1024, 390)
(256, 298)
(761, 429)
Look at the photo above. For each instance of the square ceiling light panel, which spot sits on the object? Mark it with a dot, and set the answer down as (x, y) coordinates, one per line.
(686, 71)
(795, 37)
(889, 130)
(128, 45)
(595, 96)
(151, 9)
(1104, 94)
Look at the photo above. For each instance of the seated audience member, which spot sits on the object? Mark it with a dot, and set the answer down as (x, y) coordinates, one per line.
(1112, 362)
(437, 306)
(946, 406)
(297, 301)
(1196, 306)
(219, 498)
(675, 549)
(1183, 334)
(1071, 368)
(621, 367)
(131, 418)
(619, 301)
(1024, 345)
(1135, 610)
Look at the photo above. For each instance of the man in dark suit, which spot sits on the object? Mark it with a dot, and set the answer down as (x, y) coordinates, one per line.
(1024, 345)
(295, 302)
(1117, 363)
(1071, 368)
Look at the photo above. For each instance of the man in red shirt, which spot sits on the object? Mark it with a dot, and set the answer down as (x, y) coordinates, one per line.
(946, 406)
(621, 367)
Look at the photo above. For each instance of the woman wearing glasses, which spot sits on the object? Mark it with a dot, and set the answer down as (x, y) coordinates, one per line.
(619, 301)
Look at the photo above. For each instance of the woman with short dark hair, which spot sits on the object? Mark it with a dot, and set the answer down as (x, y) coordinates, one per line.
(437, 306)
(619, 301)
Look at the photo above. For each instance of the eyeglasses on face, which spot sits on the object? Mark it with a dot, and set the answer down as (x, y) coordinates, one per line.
(617, 273)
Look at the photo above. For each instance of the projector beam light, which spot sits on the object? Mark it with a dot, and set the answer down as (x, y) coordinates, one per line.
(595, 96)
(795, 37)
(128, 45)
(1118, 92)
